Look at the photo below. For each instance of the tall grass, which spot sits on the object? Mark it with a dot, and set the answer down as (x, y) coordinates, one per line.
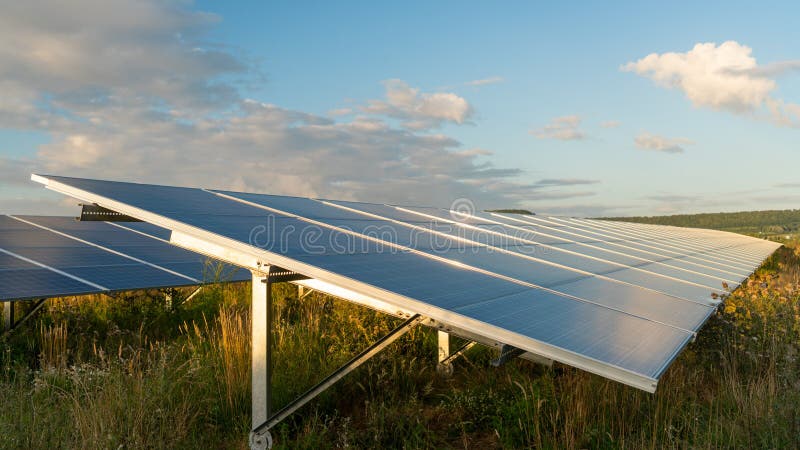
(53, 344)
(125, 372)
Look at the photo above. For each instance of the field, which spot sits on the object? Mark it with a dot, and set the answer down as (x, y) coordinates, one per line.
(779, 224)
(128, 372)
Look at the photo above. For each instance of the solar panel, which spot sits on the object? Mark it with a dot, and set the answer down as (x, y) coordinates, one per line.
(46, 256)
(617, 300)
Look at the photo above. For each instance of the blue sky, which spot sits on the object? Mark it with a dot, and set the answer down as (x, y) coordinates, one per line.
(548, 107)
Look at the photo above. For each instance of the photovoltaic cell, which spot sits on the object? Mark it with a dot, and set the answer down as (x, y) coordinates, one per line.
(34, 282)
(87, 254)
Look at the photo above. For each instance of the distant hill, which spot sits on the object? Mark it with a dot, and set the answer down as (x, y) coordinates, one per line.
(512, 211)
(750, 222)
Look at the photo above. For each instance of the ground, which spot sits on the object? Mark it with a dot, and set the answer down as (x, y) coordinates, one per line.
(126, 372)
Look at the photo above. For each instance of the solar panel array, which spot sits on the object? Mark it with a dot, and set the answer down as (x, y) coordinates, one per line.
(46, 256)
(617, 299)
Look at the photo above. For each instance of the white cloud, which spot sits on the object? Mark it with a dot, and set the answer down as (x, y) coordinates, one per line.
(648, 141)
(722, 77)
(419, 110)
(565, 128)
(485, 81)
(133, 91)
(610, 124)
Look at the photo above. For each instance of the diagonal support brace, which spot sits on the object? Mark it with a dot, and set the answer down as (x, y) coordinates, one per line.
(507, 353)
(9, 315)
(446, 358)
(260, 437)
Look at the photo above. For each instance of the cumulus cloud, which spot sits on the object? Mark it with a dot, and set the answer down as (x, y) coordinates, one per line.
(485, 81)
(134, 91)
(610, 124)
(565, 128)
(148, 48)
(723, 77)
(420, 110)
(648, 141)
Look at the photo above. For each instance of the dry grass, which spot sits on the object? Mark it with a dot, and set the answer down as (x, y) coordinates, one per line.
(130, 374)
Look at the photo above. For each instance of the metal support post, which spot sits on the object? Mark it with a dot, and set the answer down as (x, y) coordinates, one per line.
(260, 437)
(444, 353)
(8, 316)
(303, 292)
(445, 364)
(15, 323)
(168, 299)
(261, 358)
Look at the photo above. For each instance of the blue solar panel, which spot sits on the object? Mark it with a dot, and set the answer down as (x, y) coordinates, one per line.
(512, 261)
(117, 237)
(96, 265)
(34, 283)
(124, 277)
(146, 228)
(619, 311)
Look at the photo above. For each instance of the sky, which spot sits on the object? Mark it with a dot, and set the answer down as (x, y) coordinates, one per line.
(640, 108)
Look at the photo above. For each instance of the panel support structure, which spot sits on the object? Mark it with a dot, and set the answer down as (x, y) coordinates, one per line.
(261, 358)
(507, 353)
(168, 298)
(10, 320)
(263, 420)
(444, 352)
(446, 358)
(192, 295)
(8, 316)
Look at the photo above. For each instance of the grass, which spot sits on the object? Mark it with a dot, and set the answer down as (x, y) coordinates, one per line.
(127, 372)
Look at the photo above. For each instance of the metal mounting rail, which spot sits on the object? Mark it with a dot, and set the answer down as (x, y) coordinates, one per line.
(95, 213)
(507, 352)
